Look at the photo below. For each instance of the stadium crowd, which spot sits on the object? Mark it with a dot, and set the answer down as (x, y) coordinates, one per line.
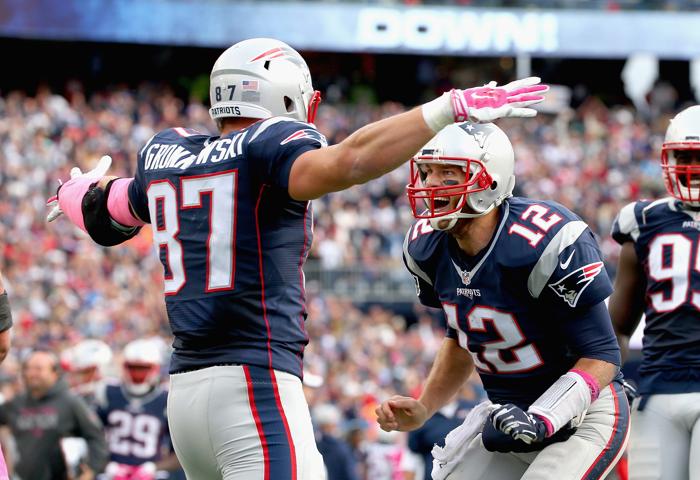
(593, 159)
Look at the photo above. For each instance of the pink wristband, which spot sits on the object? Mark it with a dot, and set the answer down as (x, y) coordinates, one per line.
(548, 425)
(118, 203)
(590, 381)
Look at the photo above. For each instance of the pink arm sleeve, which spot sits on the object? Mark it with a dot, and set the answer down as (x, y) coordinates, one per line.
(118, 203)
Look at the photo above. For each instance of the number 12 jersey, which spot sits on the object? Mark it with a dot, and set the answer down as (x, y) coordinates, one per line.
(516, 306)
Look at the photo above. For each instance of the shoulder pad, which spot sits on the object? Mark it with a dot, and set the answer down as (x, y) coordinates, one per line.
(285, 130)
(418, 246)
(548, 260)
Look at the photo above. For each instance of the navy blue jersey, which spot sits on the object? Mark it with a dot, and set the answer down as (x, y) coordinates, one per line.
(666, 239)
(514, 306)
(136, 427)
(231, 240)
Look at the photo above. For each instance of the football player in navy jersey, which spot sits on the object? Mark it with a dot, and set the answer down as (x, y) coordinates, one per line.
(133, 414)
(522, 285)
(231, 218)
(659, 275)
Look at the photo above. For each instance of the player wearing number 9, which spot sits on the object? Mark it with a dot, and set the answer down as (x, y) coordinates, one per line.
(659, 275)
(231, 221)
(522, 285)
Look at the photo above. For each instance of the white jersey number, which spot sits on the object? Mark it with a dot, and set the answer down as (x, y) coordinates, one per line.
(525, 357)
(676, 270)
(135, 435)
(221, 242)
(537, 212)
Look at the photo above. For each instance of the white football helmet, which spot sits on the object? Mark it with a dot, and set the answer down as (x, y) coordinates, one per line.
(86, 363)
(262, 78)
(142, 361)
(682, 179)
(485, 155)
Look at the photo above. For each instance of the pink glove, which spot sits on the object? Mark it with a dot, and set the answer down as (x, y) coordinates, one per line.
(146, 471)
(485, 104)
(120, 471)
(70, 195)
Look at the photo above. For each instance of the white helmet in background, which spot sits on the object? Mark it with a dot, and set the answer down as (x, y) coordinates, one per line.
(142, 361)
(682, 179)
(262, 78)
(86, 363)
(484, 153)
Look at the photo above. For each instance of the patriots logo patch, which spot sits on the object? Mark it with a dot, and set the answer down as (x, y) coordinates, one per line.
(306, 133)
(572, 286)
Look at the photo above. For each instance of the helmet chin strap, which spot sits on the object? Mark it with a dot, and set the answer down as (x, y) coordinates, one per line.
(452, 218)
(694, 206)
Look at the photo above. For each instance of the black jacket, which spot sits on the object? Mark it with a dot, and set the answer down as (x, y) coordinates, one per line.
(39, 424)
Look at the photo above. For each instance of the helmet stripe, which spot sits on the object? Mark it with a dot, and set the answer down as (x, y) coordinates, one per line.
(269, 52)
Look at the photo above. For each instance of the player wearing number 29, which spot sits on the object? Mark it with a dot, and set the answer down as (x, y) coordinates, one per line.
(133, 414)
(522, 286)
(659, 275)
(232, 222)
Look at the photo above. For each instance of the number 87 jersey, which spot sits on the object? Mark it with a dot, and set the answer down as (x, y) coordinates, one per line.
(666, 239)
(517, 305)
(231, 240)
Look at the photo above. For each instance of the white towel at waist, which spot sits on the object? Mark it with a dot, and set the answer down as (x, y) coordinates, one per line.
(446, 458)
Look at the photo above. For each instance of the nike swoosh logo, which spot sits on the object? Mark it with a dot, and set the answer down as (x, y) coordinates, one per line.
(565, 265)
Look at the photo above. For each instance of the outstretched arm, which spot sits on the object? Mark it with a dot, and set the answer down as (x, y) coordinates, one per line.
(384, 145)
(97, 204)
(5, 322)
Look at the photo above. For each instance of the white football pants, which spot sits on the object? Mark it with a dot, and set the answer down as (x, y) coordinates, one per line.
(665, 438)
(589, 454)
(242, 423)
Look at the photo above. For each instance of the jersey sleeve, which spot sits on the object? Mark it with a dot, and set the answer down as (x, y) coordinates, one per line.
(424, 284)
(588, 332)
(570, 271)
(277, 143)
(137, 189)
(625, 228)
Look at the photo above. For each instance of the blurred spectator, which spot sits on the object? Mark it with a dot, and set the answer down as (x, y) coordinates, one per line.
(44, 415)
(340, 463)
(355, 435)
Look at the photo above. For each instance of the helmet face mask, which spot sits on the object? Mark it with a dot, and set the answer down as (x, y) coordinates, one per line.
(485, 158)
(450, 197)
(262, 78)
(141, 368)
(680, 157)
